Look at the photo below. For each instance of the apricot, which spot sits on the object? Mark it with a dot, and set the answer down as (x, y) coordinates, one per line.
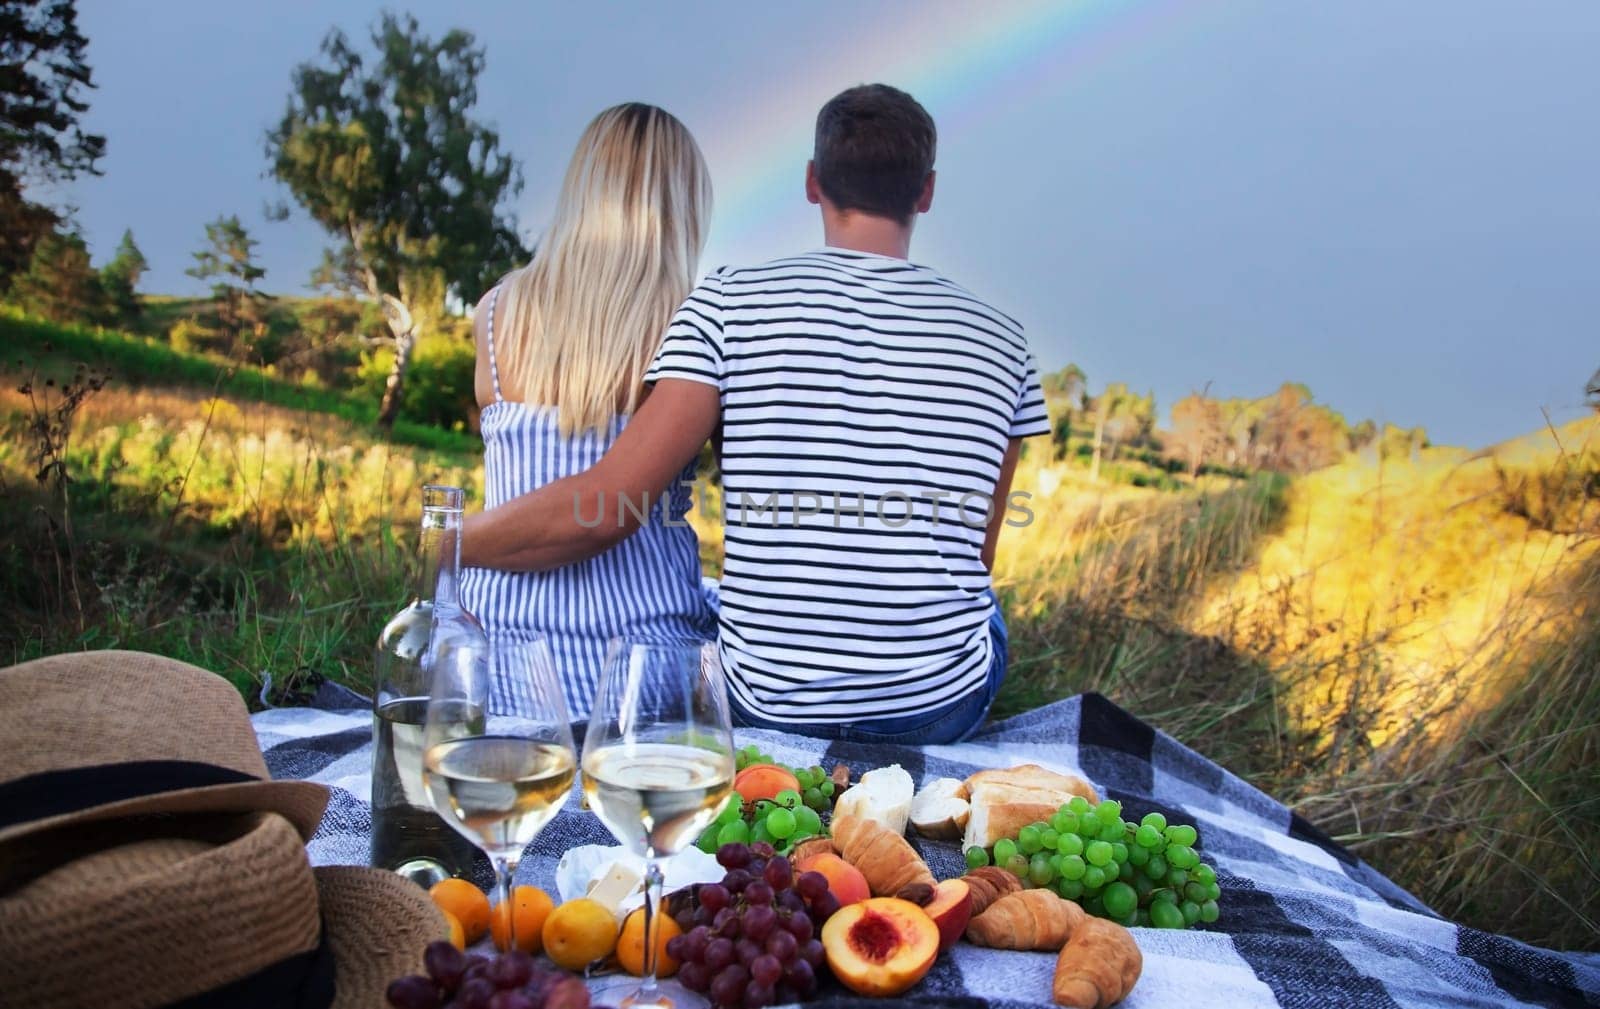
(880, 946)
(531, 906)
(764, 781)
(466, 903)
(578, 933)
(458, 935)
(630, 945)
(950, 909)
(845, 881)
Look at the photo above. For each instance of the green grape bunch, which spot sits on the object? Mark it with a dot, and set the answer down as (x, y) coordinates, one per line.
(747, 755)
(816, 788)
(1146, 873)
(783, 822)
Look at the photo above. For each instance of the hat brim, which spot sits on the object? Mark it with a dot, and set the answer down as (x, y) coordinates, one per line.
(377, 924)
(300, 802)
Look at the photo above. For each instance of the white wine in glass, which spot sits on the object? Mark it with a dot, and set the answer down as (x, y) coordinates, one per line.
(655, 797)
(498, 778)
(501, 789)
(657, 767)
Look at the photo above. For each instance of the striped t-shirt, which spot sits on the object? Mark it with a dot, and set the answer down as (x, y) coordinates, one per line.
(866, 407)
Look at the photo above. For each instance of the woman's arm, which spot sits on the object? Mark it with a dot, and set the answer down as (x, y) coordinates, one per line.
(583, 515)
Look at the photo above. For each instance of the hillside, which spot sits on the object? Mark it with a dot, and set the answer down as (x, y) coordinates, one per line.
(1402, 645)
(210, 511)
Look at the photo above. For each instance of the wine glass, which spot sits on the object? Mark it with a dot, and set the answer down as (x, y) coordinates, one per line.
(657, 767)
(497, 778)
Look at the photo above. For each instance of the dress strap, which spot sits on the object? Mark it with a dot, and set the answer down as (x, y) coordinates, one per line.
(494, 368)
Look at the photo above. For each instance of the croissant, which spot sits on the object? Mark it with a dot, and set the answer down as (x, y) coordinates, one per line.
(812, 846)
(1097, 967)
(1027, 919)
(886, 859)
(989, 884)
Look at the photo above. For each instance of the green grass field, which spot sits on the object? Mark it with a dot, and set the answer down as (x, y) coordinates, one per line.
(1404, 651)
(141, 361)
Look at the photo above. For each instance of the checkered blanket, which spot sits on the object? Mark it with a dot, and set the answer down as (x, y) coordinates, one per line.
(1304, 922)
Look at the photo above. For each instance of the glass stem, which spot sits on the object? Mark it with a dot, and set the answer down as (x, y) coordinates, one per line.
(653, 882)
(504, 871)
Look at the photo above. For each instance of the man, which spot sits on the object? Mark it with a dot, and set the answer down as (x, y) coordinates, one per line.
(870, 415)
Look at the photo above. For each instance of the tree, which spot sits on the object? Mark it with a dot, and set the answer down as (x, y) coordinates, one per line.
(1363, 434)
(1063, 391)
(228, 263)
(1139, 423)
(22, 224)
(1294, 434)
(387, 158)
(1068, 383)
(120, 280)
(59, 283)
(1120, 416)
(1198, 430)
(1591, 392)
(1402, 442)
(42, 77)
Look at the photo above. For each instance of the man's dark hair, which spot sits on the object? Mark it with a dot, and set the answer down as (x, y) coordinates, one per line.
(874, 151)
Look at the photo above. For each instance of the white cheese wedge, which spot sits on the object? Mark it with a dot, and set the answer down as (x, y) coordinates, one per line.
(614, 886)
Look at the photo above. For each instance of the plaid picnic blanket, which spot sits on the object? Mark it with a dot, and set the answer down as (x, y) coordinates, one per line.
(1304, 922)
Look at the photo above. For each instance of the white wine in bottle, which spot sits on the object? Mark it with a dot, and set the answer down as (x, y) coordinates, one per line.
(408, 836)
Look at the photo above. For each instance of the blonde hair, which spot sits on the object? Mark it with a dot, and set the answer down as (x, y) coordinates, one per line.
(580, 324)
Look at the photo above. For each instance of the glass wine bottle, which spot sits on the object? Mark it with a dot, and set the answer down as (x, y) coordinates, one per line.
(407, 834)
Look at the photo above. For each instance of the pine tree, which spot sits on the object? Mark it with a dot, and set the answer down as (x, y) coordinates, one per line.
(59, 284)
(43, 77)
(120, 280)
(228, 263)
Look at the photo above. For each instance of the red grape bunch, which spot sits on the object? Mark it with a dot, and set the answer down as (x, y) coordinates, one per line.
(752, 940)
(508, 981)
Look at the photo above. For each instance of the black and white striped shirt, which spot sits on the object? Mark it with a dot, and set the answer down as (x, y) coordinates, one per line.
(867, 403)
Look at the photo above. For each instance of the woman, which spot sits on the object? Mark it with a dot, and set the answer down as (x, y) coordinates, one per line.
(563, 344)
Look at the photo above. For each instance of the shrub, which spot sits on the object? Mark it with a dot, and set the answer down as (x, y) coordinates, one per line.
(189, 336)
(439, 384)
(439, 387)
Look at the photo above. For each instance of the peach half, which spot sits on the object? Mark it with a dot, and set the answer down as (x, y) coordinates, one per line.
(764, 781)
(950, 909)
(880, 946)
(844, 880)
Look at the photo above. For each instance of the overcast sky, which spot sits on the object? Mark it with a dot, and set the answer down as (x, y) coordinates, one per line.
(1393, 202)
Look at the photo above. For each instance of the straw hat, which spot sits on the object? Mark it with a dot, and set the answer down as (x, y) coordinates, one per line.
(93, 735)
(202, 896)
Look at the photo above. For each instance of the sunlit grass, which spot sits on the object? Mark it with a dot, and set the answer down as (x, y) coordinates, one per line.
(1408, 652)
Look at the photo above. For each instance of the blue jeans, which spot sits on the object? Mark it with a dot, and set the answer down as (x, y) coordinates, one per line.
(950, 724)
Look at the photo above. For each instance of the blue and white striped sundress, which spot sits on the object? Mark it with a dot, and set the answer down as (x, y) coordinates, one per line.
(647, 586)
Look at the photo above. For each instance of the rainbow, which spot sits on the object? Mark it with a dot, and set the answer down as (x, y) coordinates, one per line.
(960, 63)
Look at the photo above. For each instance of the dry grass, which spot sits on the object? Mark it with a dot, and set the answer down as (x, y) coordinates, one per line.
(1408, 653)
(251, 539)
